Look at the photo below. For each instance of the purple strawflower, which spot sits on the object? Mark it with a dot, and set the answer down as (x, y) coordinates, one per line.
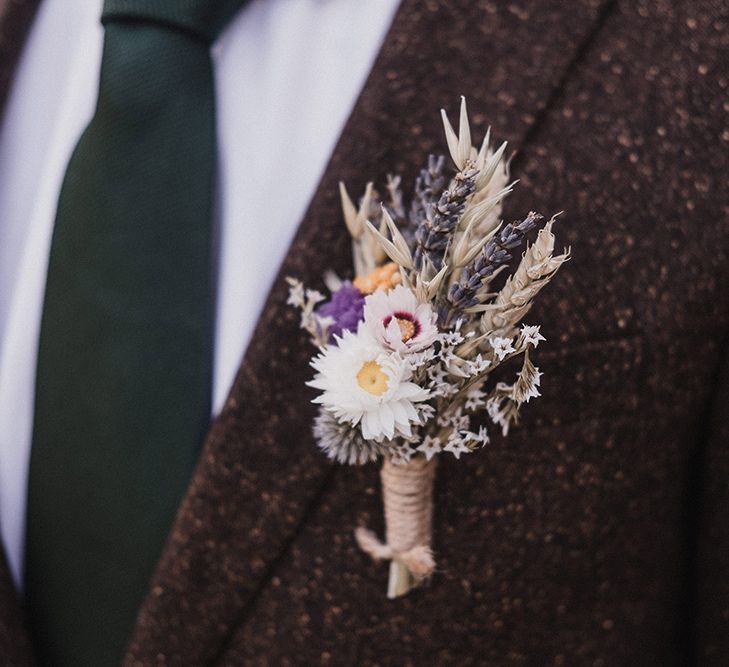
(346, 308)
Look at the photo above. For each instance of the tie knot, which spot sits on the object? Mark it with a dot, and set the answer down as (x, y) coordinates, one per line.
(205, 19)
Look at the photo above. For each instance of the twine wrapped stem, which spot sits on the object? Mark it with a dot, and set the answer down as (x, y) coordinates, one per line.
(407, 494)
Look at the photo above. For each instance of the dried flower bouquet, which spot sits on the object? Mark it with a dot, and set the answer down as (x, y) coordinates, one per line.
(406, 349)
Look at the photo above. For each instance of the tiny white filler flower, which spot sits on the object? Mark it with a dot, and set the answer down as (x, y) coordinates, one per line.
(363, 384)
(531, 335)
(430, 447)
(456, 446)
(501, 346)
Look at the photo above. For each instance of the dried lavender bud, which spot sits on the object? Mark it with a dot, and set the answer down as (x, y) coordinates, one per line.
(495, 253)
(428, 184)
(441, 220)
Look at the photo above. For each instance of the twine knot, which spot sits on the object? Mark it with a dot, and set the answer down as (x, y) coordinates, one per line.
(407, 494)
(419, 560)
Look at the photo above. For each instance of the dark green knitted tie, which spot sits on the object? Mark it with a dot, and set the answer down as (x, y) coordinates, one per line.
(124, 368)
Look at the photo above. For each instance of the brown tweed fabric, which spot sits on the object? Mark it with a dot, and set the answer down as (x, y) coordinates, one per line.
(596, 534)
(573, 542)
(712, 557)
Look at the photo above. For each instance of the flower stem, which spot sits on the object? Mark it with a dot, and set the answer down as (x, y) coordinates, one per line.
(400, 581)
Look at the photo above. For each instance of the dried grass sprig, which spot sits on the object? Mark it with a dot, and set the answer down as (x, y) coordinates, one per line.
(536, 269)
(394, 204)
(487, 161)
(472, 285)
(367, 252)
(527, 382)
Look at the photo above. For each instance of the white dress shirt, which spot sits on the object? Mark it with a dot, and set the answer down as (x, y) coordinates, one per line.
(287, 73)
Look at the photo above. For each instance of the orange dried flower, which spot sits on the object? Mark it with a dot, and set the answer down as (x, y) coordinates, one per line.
(386, 276)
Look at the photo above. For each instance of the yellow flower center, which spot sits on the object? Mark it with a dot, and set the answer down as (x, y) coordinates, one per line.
(407, 329)
(372, 378)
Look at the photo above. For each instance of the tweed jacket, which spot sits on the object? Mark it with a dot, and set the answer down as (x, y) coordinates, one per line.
(598, 532)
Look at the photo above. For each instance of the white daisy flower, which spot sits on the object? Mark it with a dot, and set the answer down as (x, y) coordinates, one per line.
(399, 322)
(363, 384)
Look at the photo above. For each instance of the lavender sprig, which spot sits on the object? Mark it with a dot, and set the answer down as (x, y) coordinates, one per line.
(441, 220)
(465, 293)
(431, 181)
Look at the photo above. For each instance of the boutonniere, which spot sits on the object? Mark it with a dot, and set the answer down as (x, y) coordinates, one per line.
(406, 349)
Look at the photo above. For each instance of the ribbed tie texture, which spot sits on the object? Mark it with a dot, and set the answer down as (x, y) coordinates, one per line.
(125, 357)
(203, 19)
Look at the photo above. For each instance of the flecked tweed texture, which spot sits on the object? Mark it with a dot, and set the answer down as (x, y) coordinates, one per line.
(597, 533)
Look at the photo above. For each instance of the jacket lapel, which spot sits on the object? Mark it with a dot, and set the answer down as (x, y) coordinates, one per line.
(15, 21)
(260, 470)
